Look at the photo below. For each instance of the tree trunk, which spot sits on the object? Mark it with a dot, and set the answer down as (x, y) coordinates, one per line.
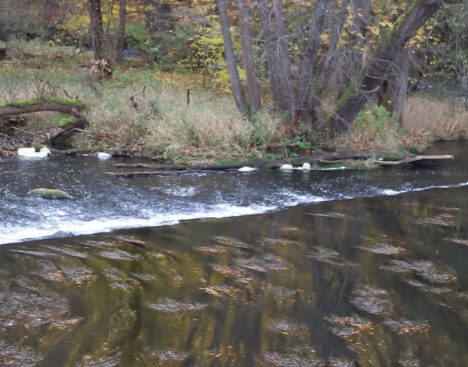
(282, 58)
(269, 43)
(230, 57)
(330, 65)
(396, 100)
(249, 66)
(306, 71)
(97, 33)
(120, 37)
(373, 71)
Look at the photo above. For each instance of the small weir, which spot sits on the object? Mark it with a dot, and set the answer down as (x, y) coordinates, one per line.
(335, 268)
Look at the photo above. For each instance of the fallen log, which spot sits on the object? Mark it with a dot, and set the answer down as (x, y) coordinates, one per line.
(149, 173)
(165, 167)
(364, 162)
(52, 104)
(52, 136)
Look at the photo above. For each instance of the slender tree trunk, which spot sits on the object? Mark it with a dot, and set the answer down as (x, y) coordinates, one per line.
(401, 86)
(390, 46)
(249, 66)
(282, 57)
(268, 39)
(97, 34)
(120, 37)
(306, 71)
(330, 65)
(230, 57)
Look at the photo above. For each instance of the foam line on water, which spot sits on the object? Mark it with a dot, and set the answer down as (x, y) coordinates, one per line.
(61, 225)
(12, 234)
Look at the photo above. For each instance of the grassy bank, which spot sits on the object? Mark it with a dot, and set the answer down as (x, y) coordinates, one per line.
(145, 112)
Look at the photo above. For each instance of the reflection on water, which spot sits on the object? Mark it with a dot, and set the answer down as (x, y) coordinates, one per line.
(364, 282)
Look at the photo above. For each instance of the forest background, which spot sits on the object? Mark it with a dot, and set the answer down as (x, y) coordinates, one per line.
(199, 80)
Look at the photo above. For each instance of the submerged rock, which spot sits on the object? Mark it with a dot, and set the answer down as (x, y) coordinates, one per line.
(50, 194)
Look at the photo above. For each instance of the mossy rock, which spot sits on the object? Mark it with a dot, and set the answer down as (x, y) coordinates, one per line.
(50, 194)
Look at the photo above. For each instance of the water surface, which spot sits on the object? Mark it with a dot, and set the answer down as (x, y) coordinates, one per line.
(336, 269)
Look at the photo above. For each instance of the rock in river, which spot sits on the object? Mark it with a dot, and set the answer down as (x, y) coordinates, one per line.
(50, 194)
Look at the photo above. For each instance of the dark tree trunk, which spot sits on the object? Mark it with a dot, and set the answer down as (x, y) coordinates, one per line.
(249, 66)
(306, 71)
(287, 102)
(272, 65)
(407, 25)
(401, 86)
(230, 57)
(97, 33)
(120, 37)
(329, 65)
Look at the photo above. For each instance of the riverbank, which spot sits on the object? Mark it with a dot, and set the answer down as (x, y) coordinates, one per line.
(181, 118)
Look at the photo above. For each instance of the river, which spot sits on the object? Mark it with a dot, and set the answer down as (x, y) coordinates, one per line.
(269, 268)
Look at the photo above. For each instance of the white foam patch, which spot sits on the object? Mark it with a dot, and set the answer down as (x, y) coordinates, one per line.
(390, 192)
(59, 224)
(293, 198)
(76, 227)
(181, 191)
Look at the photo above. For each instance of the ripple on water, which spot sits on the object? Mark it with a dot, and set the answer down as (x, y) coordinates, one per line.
(383, 249)
(372, 300)
(422, 268)
(14, 355)
(172, 306)
(120, 255)
(263, 264)
(328, 256)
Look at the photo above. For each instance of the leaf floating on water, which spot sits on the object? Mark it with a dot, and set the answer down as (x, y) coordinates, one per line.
(288, 360)
(289, 327)
(263, 264)
(132, 240)
(424, 269)
(221, 290)
(119, 255)
(328, 215)
(12, 355)
(170, 355)
(457, 241)
(65, 324)
(226, 271)
(228, 241)
(348, 325)
(428, 289)
(106, 361)
(279, 242)
(383, 249)
(444, 220)
(289, 229)
(328, 256)
(407, 326)
(211, 250)
(171, 306)
(372, 300)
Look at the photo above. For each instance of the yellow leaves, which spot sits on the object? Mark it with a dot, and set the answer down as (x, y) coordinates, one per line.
(325, 38)
(386, 24)
(374, 30)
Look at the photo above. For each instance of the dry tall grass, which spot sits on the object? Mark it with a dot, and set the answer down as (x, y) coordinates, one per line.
(140, 110)
(373, 130)
(428, 119)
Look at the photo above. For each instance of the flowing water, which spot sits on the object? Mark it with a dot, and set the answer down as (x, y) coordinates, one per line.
(334, 268)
